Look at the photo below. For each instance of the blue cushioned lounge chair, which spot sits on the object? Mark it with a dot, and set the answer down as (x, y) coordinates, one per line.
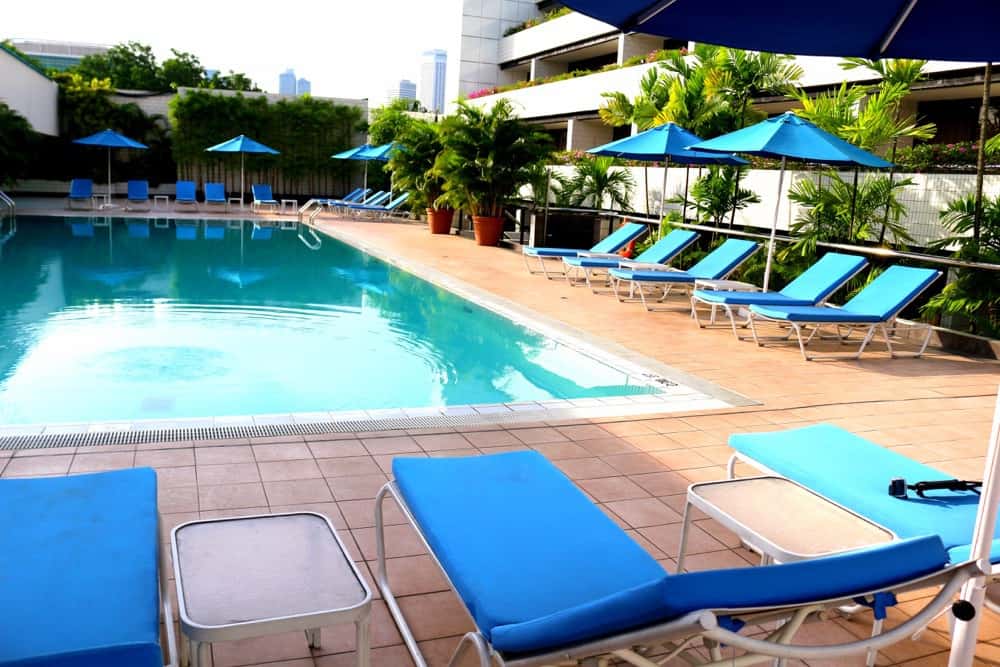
(610, 244)
(812, 287)
(716, 265)
(215, 193)
(186, 230)
(80, 571)
(138, 195)
(262, 198)
(81, 190)
(655, 256)
(873, 308)
(379, 212)
(355, 196)
(186, 194)
(548, 578)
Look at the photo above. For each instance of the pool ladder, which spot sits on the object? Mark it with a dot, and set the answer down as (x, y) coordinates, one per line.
(7, 206)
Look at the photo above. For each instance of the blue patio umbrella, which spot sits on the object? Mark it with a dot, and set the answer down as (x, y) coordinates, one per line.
(367, 153)
(110, 139)
(932, 29)
(242, 145)
(665, 143)
(789, 137)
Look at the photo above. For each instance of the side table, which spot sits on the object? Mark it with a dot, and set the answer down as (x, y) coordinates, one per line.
(252, 576)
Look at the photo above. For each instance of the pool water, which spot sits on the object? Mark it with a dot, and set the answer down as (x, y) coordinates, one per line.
(127, 321)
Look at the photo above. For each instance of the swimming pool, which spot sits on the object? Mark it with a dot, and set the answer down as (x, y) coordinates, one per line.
(113, 320)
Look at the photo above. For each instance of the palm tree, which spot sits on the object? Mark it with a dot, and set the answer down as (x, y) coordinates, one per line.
(744, 75)
(619, 110)
(594, 182)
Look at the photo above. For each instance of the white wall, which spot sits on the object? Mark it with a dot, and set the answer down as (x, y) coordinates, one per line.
(483, 25)
(929, 194)
(29, 93)
(552, 34)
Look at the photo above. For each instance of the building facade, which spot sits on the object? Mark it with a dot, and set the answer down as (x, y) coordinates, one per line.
(433, 74)
(558, 44)
(56, 55)
(287, 82)
(303, 87)
(28, 91)
(404, 90)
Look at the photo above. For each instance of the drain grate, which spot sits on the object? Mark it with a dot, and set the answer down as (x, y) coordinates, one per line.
(134, 436)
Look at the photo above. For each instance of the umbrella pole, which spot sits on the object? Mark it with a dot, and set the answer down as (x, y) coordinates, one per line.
(687, 179)
(243, 182)
(774, 226)
(663, 192)
(366, 180)
(108, 202)
(963, 642)
(736, 191)
(645, 177)
(854, 203)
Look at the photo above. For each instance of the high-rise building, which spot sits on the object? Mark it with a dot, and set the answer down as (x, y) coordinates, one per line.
(405, 90)
(57, 55)
(432, 79)
(286, 82)
(303, 87)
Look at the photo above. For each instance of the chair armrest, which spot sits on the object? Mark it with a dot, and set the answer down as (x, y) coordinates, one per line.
(599, 255)
(644, 266)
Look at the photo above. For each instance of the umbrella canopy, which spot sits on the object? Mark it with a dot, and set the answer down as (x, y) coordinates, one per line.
(788, 137)
(110, 139)
(665, 143)
(795, 138)
(379, 153)
(933, 29)
(242, 145)
(351, 153)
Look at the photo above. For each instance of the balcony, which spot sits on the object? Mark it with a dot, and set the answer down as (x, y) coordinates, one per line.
(561, 32)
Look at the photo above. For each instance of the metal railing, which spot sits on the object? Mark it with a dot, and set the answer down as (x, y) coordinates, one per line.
(7, 206)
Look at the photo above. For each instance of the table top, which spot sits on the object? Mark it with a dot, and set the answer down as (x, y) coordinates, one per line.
(261, 568)
(789, 521)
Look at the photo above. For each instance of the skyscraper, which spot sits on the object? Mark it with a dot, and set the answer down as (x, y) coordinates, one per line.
(406, 90)
(286, 82)
(303, 87)
(432, 72)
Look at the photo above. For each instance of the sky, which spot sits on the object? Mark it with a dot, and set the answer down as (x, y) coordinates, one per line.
(346, 48)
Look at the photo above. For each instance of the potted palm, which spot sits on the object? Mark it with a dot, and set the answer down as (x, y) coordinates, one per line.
(488, 155)
(412, 166)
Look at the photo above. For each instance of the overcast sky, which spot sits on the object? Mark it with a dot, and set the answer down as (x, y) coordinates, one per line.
(346, 48)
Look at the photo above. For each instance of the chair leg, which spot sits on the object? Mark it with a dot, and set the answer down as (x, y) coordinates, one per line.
(473, 641)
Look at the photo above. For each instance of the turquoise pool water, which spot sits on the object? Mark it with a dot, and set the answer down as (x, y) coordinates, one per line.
(124, 322)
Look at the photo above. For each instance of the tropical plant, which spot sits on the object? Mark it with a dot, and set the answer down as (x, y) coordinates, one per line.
(834, 210)
(412, 164)
(974, 295)
(596, 181)
(743, 75)
(390, 122)
(487, 157)
(717, 195)
(619, 110)
(17, 141)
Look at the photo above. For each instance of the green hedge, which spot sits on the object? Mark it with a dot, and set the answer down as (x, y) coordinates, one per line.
(307, 131)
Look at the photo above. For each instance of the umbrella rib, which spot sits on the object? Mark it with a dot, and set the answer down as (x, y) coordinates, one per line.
(896, 26)
(650, 13)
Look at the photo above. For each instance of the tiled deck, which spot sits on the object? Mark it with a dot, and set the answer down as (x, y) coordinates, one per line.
(936, 409)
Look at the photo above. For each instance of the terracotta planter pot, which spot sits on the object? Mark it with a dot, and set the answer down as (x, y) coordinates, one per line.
(488, 230)
(439, 220)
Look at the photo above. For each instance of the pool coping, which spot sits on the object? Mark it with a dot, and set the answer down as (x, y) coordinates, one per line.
(678, 391)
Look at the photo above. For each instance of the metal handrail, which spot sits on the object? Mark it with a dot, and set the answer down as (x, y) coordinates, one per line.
(8, 203)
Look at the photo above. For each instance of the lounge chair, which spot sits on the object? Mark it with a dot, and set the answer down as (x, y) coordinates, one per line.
(548, 578)
(82, 230)
(262, 197)
(355, 196)
(186, 193)
(825, 458)
(659, 254)
(137, 229)
(611, 243)
(138, 195)
(874, 308)
(812, 287)
(82, 582)
(215, 231)
(186, 230)
(215, 193)
(379, 212)
(716, 265)
(80, 190)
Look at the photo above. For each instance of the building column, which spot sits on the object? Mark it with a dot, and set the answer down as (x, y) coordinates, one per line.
(583, 134)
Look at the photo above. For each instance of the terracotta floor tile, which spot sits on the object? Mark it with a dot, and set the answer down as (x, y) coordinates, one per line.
(492, 438)
(681, 459)
(606, 446)
(337, 448)
(634, 464)
(294, 492)
(219, 455)
(389, 656)
(392, 445)
(177, 499)
(662, 483)
(641, 512)
(561, 450)
(285, 451)
(588, 468)
(164, 458)
(413, 575)
(231, 496)
(288, 645)
(38, 465)
(400, 540)
(534, 436)
(101, 461)
(227, 473)
(361, 513)
(183, 476)
(435, 615)
(341, 638)
(356, 486)
(668, 538)
(442, 441)
(608, 489)
(348, 465)
(278, 471)
(583, 432)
